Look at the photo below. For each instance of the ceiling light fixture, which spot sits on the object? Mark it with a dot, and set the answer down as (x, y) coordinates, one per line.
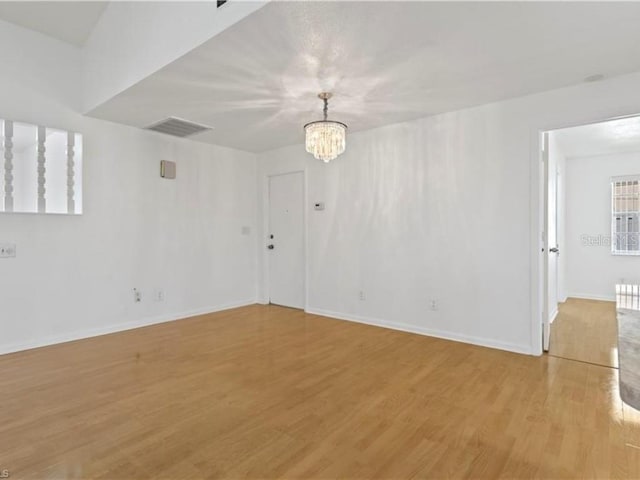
(325, 139)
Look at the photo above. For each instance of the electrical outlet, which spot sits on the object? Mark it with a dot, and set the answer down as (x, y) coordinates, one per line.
(362, 296)
(433, 305)
(137, 296)
(7, 250)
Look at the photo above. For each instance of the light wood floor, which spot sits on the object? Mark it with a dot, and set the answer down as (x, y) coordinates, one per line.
(586, 330)
(266, 392)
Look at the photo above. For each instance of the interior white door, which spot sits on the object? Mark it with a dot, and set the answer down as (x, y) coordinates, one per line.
(550, 243)
(552, 238)
(286, 240)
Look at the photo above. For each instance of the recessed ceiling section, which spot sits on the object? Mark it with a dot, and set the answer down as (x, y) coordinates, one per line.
(385, 62)
(71, 22)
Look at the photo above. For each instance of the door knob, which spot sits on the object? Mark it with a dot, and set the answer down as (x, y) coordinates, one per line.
(554, 250)
(270, 247)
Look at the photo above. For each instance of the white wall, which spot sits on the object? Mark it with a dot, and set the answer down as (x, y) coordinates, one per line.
(421, 211)
(73, 275)
(592, 270)
(440, 208)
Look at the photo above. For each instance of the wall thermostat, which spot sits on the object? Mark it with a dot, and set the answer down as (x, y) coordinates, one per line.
(167, 169)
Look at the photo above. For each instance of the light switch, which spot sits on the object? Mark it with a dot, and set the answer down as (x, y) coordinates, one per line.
(7, 250)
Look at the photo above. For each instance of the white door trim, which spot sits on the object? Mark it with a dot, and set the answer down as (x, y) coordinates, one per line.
(264, 238)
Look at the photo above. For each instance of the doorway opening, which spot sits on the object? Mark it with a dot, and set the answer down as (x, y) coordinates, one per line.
(591, 219)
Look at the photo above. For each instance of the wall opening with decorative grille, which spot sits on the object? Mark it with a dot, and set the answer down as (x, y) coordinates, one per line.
(625, 225)
(41, 169)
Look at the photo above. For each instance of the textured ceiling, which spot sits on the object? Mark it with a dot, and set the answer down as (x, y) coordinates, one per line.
(71, 22)
(385, 62)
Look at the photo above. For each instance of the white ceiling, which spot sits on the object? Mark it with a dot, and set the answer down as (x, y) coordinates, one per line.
(385, 62)
(613, 136)
(71, 22)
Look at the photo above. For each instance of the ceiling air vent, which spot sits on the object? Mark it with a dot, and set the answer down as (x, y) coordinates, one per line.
(178, 127)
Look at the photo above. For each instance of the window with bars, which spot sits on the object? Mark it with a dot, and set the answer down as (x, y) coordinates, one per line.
(40, 169)
(625, 221)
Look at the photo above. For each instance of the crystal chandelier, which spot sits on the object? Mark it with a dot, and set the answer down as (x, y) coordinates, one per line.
(325, 139)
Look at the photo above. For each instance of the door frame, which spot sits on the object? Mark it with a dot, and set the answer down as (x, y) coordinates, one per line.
(538, 202)
(544, 236)
(263, 239)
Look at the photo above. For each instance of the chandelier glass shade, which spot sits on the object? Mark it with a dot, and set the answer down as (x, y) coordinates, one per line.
(325, 139)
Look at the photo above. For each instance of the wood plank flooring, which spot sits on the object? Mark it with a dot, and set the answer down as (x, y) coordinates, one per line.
(270, 392)
(586, 330)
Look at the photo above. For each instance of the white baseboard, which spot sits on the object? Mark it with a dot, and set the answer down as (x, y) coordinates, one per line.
(553, 315)
(118, 327)
(589, 296)
(404, 327)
